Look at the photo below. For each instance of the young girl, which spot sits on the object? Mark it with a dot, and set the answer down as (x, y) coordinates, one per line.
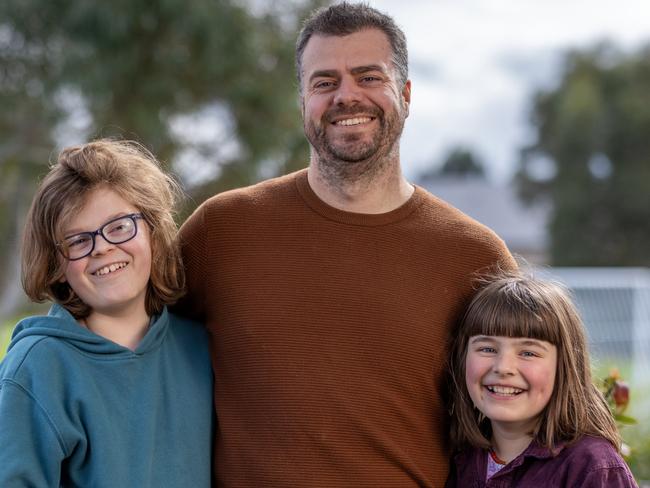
(525, 410)
(109, 389)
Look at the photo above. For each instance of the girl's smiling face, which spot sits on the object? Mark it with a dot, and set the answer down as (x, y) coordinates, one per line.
(510, 379)
(113, 279)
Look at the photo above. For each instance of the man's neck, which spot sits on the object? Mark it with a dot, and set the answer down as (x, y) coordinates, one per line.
(386, 191)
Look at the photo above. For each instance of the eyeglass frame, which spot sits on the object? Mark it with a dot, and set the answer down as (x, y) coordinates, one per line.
(93, 234)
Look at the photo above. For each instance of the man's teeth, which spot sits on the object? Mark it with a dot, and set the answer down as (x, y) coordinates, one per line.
(109, 269)
(504, 390)
(355, 121)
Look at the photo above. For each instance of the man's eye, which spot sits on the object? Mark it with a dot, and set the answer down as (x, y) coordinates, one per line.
(369, 79)
(324, 84)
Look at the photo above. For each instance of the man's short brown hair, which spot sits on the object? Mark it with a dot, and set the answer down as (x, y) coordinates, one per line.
(347, 18)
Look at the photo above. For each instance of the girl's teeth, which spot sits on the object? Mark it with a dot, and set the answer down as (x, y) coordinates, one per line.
(504, 390)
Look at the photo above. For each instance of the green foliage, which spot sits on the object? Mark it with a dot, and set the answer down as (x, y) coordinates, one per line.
(460, 162)
(5, 336)
(594, 127)
(91, 68)
(639, 459)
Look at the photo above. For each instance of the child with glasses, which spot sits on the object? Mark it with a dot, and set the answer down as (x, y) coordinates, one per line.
(109, 389)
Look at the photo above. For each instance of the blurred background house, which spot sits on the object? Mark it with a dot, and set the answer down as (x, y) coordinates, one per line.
(523, 227)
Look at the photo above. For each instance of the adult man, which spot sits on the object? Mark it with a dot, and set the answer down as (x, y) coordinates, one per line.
(329, 293)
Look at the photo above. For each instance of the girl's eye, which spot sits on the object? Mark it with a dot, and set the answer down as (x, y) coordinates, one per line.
(528, 354)
(489, 350)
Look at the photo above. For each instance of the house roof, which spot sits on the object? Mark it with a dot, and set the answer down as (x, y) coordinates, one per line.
(496, 205)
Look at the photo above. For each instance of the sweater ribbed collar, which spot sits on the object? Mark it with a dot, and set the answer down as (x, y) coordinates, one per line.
(370, 220)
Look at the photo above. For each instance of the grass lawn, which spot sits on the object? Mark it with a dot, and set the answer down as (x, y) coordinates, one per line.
(5, 335)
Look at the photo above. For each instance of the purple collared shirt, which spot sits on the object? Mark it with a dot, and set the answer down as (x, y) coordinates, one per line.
(591, 462)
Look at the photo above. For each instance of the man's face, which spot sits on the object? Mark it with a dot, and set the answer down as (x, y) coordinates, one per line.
(353, 105)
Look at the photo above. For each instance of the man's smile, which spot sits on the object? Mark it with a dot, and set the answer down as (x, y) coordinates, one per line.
(353, 121)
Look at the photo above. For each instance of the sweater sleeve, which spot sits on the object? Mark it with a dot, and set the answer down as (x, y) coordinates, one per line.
(31, 451)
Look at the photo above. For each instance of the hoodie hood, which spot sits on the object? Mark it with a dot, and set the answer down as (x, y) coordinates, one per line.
(61, 324)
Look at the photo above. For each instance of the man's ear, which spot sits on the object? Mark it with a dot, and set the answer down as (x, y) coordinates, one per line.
(406, 95)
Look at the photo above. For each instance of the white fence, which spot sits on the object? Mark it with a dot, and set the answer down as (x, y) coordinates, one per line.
(615, 306)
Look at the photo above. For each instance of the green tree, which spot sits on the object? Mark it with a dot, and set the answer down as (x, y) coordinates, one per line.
(148, 70)
(460, 162)
(593, 147)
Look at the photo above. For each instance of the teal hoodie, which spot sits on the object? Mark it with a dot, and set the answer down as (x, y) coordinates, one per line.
(77, 410)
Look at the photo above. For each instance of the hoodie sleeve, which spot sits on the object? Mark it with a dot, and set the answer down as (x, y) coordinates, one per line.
(31, 450)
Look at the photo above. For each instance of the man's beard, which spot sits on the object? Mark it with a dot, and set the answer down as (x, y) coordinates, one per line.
(352, 157)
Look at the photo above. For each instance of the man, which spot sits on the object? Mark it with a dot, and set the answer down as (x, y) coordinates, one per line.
(330, 293)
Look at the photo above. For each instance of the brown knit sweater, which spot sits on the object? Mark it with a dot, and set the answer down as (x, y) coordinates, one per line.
(328, 333)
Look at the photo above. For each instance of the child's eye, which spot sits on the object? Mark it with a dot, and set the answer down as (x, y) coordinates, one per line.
(489, 350)
(529, 354)
(81, 240)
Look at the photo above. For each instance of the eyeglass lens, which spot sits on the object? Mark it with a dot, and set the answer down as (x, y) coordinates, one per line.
(115, 232)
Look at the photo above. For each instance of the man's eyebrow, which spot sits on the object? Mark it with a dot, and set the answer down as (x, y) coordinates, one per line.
(364, 69)
(324, 73)
(357, 70)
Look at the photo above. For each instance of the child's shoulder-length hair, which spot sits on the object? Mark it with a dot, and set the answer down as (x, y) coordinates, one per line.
(131, 171)
(517, 304)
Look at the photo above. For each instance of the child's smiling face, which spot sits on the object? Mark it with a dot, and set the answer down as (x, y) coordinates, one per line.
(510, 379)
(113, 279)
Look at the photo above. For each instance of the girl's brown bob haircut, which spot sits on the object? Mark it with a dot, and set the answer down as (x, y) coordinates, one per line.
(132, 172)
(513, 304)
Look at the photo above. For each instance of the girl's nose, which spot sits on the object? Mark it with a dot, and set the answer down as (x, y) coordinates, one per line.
(504, 364)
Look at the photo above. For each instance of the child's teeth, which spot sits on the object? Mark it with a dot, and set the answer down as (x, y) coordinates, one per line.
(504, 390)
(109, 269)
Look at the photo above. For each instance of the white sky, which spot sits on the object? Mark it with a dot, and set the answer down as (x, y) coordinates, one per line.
(474, 65)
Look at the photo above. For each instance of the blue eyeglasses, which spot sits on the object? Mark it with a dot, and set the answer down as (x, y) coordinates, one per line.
(116, 231)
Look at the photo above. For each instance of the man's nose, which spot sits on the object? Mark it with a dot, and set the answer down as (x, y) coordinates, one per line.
(348, 92)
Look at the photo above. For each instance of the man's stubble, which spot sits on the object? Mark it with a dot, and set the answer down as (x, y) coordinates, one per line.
(353, 161)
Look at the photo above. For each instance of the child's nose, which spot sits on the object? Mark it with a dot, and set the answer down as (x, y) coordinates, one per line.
(101, 245)
(504, 364)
